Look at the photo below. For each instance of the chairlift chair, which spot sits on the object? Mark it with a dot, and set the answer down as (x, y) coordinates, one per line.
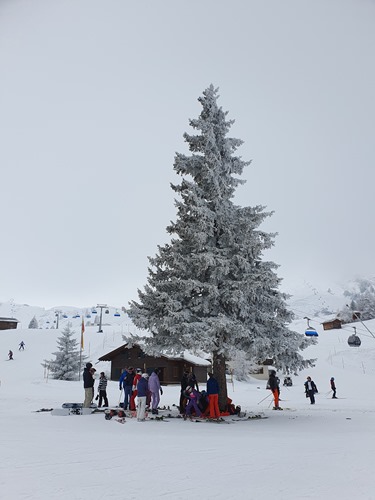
(310, 331)
(117, 314)
(354, 341)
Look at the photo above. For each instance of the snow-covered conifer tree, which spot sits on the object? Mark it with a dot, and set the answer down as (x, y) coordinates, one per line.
(33, 323)
(209, 289)
(66, 364)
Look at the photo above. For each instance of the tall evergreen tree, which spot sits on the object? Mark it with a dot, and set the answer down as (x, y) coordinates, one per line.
(33, 323)
(66, 364)
(208, 289)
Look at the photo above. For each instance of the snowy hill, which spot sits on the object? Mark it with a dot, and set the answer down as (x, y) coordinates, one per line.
(82, 457)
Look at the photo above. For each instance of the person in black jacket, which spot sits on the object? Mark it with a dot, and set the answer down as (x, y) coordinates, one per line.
(184, 384)
(88, 385)
(333, 387)
(128, 386)
(310, 390)
(273, 384)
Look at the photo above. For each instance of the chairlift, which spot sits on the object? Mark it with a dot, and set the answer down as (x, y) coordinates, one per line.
(76, 316)
(354, 340)
(94, 311)
(88, 315)
(65, 315)
(117, 314)
(310, 331)
(107, 311)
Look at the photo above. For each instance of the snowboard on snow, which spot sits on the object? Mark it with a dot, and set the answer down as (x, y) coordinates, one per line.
(73, 409)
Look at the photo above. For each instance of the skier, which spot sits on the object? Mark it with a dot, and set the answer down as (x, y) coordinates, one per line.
(10, 354)
(21, 346)
(137, 377)
(213, 396)
(121, 380)
(142, 390)
(310, 390)
(273, 385)
(333, 387)
(102, 390)
(88, 384)
(155, 389)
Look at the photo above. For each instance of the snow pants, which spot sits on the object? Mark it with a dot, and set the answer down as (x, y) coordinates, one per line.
(214, 405)
(311, 396)
(275, 393)
(193, 404)
(132, 400)
(141, 407)
(155, 399)
(103, 396)
(128, 392)
(88, 397)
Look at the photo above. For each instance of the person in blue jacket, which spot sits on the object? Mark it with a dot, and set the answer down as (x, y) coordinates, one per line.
(213, 396)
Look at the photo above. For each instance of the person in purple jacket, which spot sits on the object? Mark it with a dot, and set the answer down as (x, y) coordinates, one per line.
(142, 390)
(193, 396)
(155, 389)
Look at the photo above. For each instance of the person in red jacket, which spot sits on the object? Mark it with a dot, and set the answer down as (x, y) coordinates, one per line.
(137, 377)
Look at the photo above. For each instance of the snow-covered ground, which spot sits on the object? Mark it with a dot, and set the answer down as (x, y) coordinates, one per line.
(323, 451)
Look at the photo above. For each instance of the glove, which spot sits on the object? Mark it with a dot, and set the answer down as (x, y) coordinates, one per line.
(161, 391)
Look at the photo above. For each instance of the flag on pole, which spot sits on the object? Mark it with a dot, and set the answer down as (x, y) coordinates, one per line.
(82, 332)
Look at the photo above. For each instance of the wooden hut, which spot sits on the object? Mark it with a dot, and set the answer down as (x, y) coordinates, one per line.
(171, 367)
(332, 324)
(8, 323)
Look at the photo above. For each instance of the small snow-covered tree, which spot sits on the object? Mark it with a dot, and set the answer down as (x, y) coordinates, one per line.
(209, 289)
(66, 364)
(33, 323)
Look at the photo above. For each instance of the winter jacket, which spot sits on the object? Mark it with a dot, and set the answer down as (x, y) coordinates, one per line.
(122, 376)
(137, 378)
(313, 386)
(154, 382)
(142, 387)
(102, 384)
(272, 382)
(212, 386)
(128, 380)
(333, 387)
(88, 379)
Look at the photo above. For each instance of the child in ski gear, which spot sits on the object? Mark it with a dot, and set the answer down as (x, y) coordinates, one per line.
(102, 390)
(155, 389)
(193, 396)
(137, 377)
(275, 388)
(333, 387)
(142, 390)
(21, 346)
(213, 396)
(10, 354)
(88, 385)
(310, 390)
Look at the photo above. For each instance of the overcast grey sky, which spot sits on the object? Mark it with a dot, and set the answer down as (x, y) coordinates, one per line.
(95, 96)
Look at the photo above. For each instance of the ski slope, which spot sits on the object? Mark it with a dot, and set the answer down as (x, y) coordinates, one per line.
(322, 451)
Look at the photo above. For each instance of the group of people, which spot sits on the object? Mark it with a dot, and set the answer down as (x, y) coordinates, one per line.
(88, 384)
(150, 389)
(310, 389)
(142, 391)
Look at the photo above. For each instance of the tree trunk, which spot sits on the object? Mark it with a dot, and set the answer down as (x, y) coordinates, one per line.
(218, 367)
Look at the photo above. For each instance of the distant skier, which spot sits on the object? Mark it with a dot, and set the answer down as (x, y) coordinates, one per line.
(10, 354)
(333, 387)
(310, 390)
(21, 346)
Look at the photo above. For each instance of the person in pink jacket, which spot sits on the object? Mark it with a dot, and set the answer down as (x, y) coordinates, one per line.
(155, 389)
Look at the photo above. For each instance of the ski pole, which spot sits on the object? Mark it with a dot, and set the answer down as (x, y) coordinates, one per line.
(270, 394)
